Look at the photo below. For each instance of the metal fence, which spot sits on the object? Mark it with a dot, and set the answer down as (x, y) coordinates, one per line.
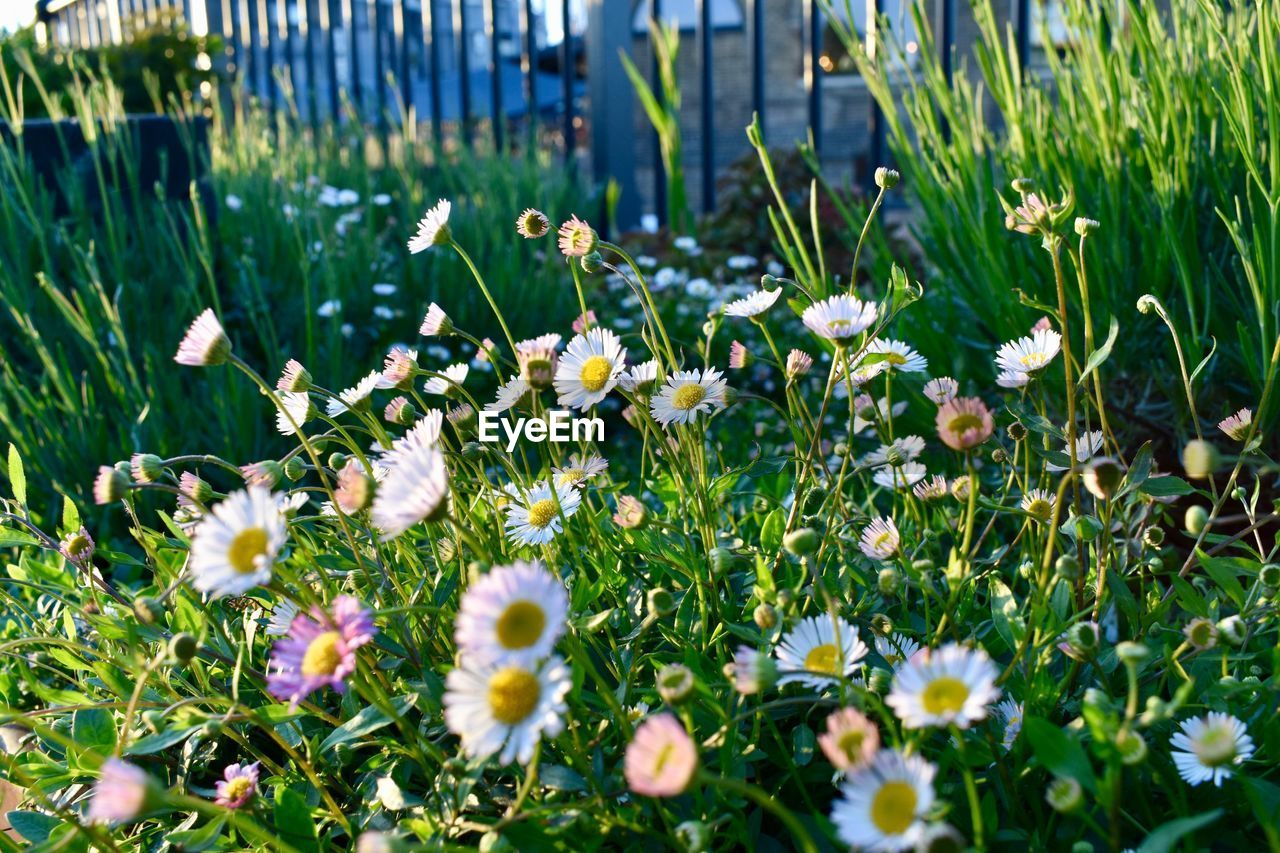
(495, 66)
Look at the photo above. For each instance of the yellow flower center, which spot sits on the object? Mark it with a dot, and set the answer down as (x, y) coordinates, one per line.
(883, 542)
(77, 545)
(542, 512)
(595, 372)
(663, 757)
(237, 788)
(1039, 508)
(823, 658)
(1216, 747)
(964, 422)
(520, 625)
(322, 656)
(944, 695)
(572, 476)
(513, 694)
(246, 548)
(688, 396)
(1032, 360)
(851, 742)
(895, 358)
(838, 326)
(894, 807)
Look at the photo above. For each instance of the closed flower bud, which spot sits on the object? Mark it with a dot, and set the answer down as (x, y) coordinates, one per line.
(295, 468)
(592, 262)
(887, 179)
(1083, 638)
(1269, 575)
(660, 602)
(1016, 431)
(922, 566)
(1087, 528)
(1085, 226)
(999, 456)
(802, 542)
(1064, 795)
(1199, 459)
(355, 488)
(400, 411)
(265, 473)
(694, 836)
(110, 485)
(1132, 654)
(766, 618)
(675, 683)
(1233, 630)
(722, 560)
(1067, 567)
(1022, 186)
(1196, 519)
(496, 842)
(183, 647)
(785, 598)
(888, 581)
(146, 467)
(1103, 477)
(879, 680)
(148, 610)
(337, 461)
(1131, 746)
(881, 624)
(1153, 537)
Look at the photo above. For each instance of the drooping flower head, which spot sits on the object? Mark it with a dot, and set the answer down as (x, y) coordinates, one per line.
(798, 363)
(294, 410)
(416, 488)
(433, 229)
(753, 670)
(355, 398)
(512, 615)
(538, 360)
(239, 785)
(1237, 426)
(294, 377)
(577, 238)
(964, 422)
(505, 709)
(435, 323)
(205, 343)
(661, 759)
(953, 685)
(320, 650)
(448, 381)
(234, 546)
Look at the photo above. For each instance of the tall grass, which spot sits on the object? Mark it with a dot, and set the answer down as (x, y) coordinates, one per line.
(94, 300)
(1161, 123)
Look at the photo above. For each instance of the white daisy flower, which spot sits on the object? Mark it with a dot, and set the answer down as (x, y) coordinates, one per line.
(931, 489)
(536, 518)
(1205, 749)
(738, 263)
(754, 305)
(435, 322)
(1038, 503)
(1088, 445)
(859, 376)
(510, 393)
(898, 452)
(880, 539)
(415, 488)
(818, 651)
(505, 708)
(883, 805)
(451, 378)
(1029, 354)
(902, 477)
(329, 308)
(839, 318)
(281, 618)
(952, 685)
(687, 394)
(589, 368)
(235, 545)
(896, 649)
(1010, 713)
(513, 615)
(424, 433)
(295, 410)
(580, 470)
(354, 397)
(205, 344)
(941, 390)
(898, 356)
(1012, 379)
(640, 378)
(292, 502)
(433, 229)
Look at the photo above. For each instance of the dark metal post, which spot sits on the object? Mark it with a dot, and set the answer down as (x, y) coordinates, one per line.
(463, 31)
(310, 44)
(287, 28)
(353, 65)
(497, 115)
(530, 67)
(659, 168)
(254, 64)
(612, 112)
(437, 110)
(946, 46)
(332, 11)
(1022, 34)
(708, 107)
(405, 47)
(813, 69)
(759, 60)
(875, 156)
(567, 68)
(379, 60)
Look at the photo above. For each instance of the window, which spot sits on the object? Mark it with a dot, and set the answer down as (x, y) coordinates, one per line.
(895, 16)
(725, 15)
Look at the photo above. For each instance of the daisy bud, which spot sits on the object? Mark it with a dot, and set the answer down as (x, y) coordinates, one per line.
(888, 581)
(532, 224)
(960, 488)
(999, 456)
(941, 838)
(355, 488)
(110, 485)
(146, 467)
(881, 624)
(1153, 537)
(77, 547)
(1022, 186)
(722, 560)
(879, 680)
(660, 602)
(294, 378)
(802, 542)
(1016, 431)
(1196, 519)
(1085, 227)
(1199, 459)
(1066, 567)
(1233, 630)
(1201, 633)
(1132, 654)
(887, 179)
(494, 842)
(1147, 303)
(400, 411)
(266, 473)
(694, 836)
(631, 514)
(1269, 576)
(1131, 746)
(798, 364)
(592, 263)
(739, 356)
(1083, 638)
(337, 461)
(183, 647)
(433, 229)
(436, 323)
(462, 416)
(895, 457)
(1064, 795)
(765, 617)
(675, 683)
(147, 610)
(1086, 527)
(577, 238)
(728, 396)
(1102, 477)
(295, 468)
(752, 671)
(205, 344)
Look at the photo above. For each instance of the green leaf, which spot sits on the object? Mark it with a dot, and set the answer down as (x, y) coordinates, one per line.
(70, 515)
(369, 720)
(1163, 838)
(195, 840)
(1004, 613)
(10, 538)
(1167, 486)
(1139, 470)
(293, 820)
(560, 778)
(33, 826)
(94, 729)
(1102, 353)
(1059, 752)
(17, 477)
(771, 532)
(1223, 570)
(803, 740)
(159, 741)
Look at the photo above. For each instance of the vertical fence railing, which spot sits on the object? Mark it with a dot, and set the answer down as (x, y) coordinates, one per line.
(380, 53)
